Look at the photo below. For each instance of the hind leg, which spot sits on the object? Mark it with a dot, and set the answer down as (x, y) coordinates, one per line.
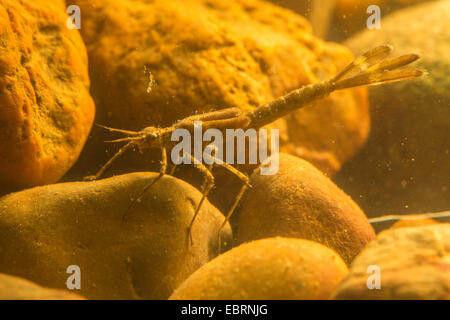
(162, 172)
(245, 180)
(207, 186)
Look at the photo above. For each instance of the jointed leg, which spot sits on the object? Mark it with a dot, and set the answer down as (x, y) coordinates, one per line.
(172, 171)
(206, 177)
(127, 132)
(207, 185)
(162, 172)
(244, 187)
(111, 160)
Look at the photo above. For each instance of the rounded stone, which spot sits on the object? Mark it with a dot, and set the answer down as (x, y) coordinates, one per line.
(412, 263)
(301, 202)
(268, 269)
(124, 250)
(47, 111)
(14, 288)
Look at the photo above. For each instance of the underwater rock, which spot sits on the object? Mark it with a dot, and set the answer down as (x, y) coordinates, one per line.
(405, 166)
(411, 223)
(153, 63)
(299, 201)
(136, 254)
(46, 109)
(409, 220)
(414, 263)
(14, 288)
(268, 269)
(349, 16)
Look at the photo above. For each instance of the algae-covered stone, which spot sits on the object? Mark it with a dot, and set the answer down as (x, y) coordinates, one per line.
(155, 62)
(299, 201)
(268, 269)
(46, 110)
(405, 166)
(123, 251)
(14, 288)
(414, 263)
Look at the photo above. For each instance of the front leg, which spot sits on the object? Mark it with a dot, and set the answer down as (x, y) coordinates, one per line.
(110, 161)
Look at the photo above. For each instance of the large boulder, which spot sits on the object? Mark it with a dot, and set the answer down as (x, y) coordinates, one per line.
(301, 202)
(123, 252)
(46, 110)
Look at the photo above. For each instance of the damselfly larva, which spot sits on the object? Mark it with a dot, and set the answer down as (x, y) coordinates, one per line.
(372, 68)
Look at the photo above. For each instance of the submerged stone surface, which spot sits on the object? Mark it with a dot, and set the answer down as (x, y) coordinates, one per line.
(300, 202)
(14, 288)
(268, 269)
(414, 263)
(46, 109)
(141, 253)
